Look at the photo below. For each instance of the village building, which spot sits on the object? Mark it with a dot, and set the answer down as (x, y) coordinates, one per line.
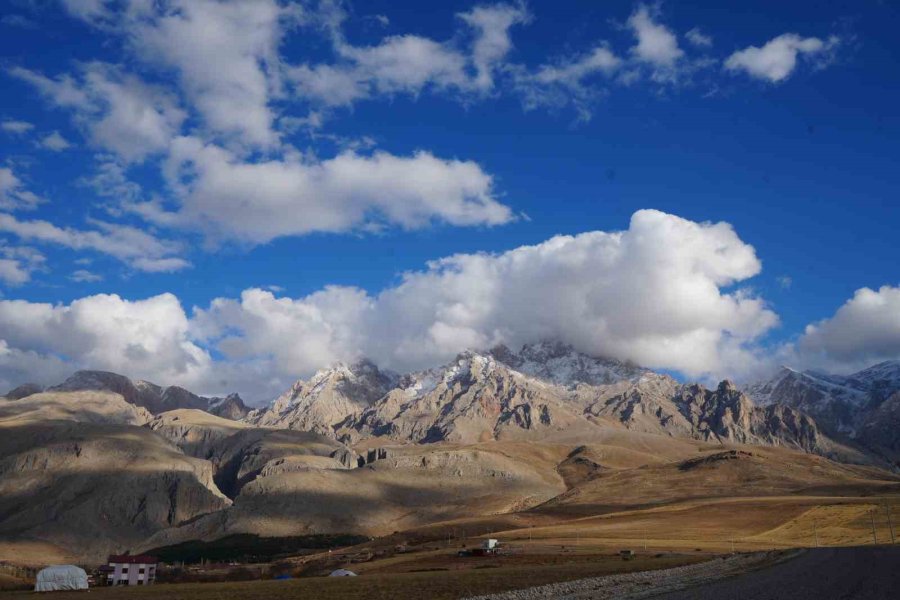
(127, 569)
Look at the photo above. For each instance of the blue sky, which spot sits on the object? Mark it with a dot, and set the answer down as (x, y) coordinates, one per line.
(207, 150)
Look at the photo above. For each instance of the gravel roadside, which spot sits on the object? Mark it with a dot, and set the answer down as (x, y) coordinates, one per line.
(633, 586)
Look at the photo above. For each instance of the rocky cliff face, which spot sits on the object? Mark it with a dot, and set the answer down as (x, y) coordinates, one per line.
(97, 488)
(238, 452)
(480, 397)
(856, 407)
(475, 398)
(23, 391)
(328, 398)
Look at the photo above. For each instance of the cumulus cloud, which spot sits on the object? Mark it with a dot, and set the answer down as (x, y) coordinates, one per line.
(777, 59)
(865, 330)
(12, 272)
(17, 263)
(13, 193)
(652, 294)
(144, 338)
(119, 112)
(226, 57)
(656, 44)
(137, 248)
(257, 202)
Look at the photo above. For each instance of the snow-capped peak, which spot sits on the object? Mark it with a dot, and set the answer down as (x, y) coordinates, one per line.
(563, 365)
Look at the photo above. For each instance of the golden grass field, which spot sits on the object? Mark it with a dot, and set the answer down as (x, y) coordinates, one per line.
(542, 552)
(428, 585)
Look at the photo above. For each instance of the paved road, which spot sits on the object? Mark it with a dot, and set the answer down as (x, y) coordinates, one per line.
(867, 573)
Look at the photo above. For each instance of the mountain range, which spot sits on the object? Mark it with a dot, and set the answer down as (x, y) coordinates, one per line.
(101, 463)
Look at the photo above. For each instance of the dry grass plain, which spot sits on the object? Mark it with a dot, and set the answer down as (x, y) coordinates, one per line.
(428, 585)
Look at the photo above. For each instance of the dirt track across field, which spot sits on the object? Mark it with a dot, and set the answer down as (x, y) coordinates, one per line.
(861, 573)
(865, 573)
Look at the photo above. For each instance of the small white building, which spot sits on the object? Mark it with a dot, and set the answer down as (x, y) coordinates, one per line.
(127, 569)
(61, 577)
(489, 544)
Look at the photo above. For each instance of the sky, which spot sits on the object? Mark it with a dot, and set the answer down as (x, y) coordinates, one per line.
(231, 195)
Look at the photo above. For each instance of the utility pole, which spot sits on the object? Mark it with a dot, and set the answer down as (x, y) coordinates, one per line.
(887, 508)
(874, 535)
(816, 532)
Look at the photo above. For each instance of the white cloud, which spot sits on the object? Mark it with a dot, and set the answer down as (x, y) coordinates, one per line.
(85, 276)
(866, 329)
(777, 59)
(785, 281)
(656, 44)
(257, 202)
(399, 64)
(226, 56)
(16, 127)
(145, 338)
(17, 263)
(411, 64)
(135, 247)
(698, 38)
(571, 72)
(492, 42)
(652, 293)
(13, 194)
(55, 142)
(567, 81)
(119, 112)
(13, 272)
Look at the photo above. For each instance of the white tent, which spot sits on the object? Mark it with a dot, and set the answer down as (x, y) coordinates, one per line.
(342, 573)
(61, 577)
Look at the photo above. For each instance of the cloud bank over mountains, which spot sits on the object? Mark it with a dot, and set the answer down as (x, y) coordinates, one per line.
(665, 293)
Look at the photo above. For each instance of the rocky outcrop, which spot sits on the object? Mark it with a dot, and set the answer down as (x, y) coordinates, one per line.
(879, 430)
(327, 399)
(858, 409)
(475, 398)
(562, 365)
(238, 452)
(230, 407)
(148, 395)
(23, 391)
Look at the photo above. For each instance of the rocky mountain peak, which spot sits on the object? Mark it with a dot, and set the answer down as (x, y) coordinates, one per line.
(726, 386)
(563, 365)
(327, 398)
(151, 396)
(23, 391)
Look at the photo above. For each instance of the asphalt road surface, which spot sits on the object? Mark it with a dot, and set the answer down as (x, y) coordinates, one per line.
(866, 573)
